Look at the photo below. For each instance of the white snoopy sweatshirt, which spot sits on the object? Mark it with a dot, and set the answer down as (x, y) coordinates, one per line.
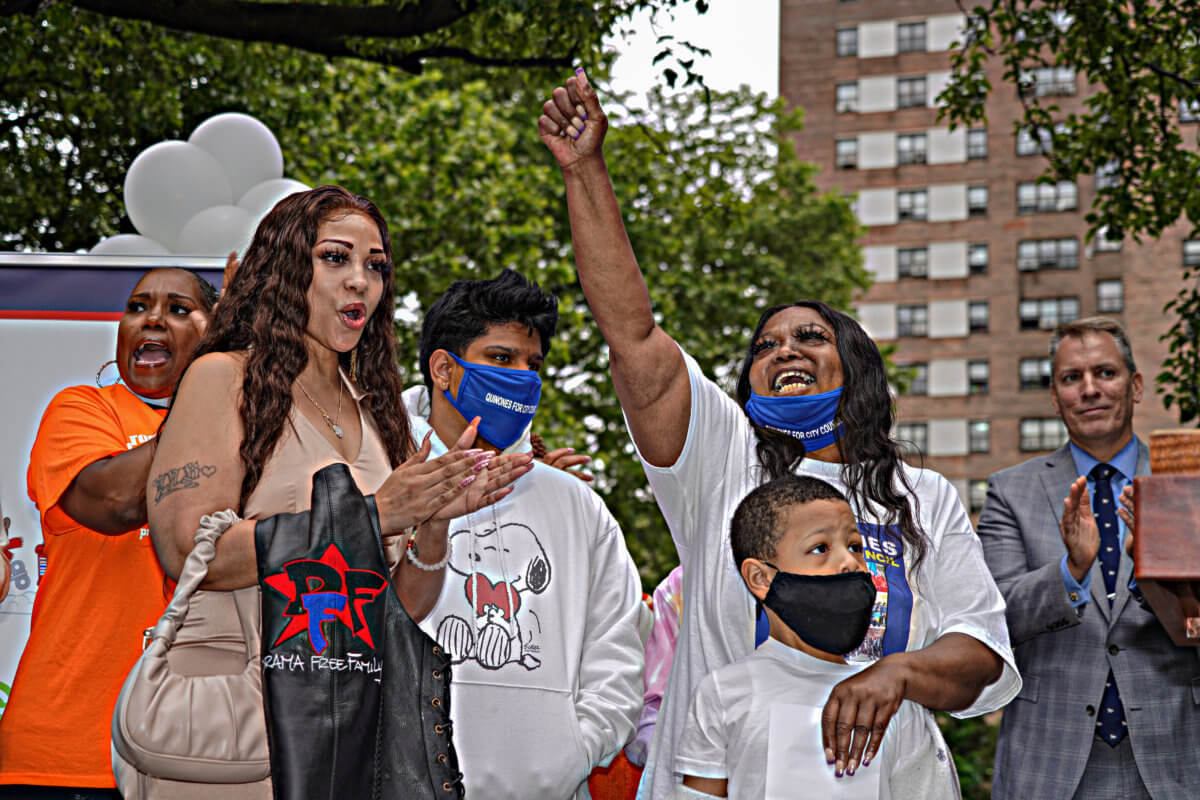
(539, 613)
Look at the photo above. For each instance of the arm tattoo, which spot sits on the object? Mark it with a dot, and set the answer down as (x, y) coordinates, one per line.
(185, 477)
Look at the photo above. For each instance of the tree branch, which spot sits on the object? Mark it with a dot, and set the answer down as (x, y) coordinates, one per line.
(284, 22)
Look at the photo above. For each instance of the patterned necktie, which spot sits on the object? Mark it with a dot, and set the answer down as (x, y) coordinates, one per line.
(1110, 724)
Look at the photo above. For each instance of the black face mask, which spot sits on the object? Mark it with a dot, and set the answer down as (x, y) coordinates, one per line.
(829, 612)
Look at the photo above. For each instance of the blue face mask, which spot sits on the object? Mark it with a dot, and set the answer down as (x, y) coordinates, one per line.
(504, 399)
(808, 418)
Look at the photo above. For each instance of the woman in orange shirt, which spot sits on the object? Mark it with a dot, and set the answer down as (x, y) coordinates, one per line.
(103, 585)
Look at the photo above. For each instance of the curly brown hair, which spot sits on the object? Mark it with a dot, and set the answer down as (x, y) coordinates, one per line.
(264, 312)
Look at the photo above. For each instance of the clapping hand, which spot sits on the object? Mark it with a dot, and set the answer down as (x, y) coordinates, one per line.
(572, 124)
(1079, 531)
(462, 480)
(1126, 514)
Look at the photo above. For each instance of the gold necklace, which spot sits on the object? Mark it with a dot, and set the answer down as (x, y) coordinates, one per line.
(332, 423)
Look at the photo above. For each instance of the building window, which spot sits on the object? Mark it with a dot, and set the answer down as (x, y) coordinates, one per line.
(1030, 145)
(912, 320)
(910, 148)
(977, 200)
(910, 92)
(910, 37)
(977, 143)
(1034, 373)
(919, 384)
(976, 495)
(1189, 110)
(847, 41)
(1048, 313)
(847, 97)
(979, 436)
(978, 374)
(1035, 254)
(1191, 253)
(846, 156)
(913, 437)
(1044, 433)
(977, 258)
(977, 316)
(1110, 296)
(1108, 175)
(1047, 81)
(912, 204)
(1039, 197)
(1106, 243)
(912, 262)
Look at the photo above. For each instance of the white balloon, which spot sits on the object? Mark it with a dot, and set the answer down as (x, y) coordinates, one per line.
(168, 184)
(245, 148)
(129, 244)
(215, 231)
(262, 198)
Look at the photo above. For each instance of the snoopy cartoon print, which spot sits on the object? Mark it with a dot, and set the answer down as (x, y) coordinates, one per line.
(501, 568)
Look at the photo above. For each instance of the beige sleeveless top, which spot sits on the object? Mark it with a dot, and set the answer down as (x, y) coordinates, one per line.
(286, 482)
(212, 633)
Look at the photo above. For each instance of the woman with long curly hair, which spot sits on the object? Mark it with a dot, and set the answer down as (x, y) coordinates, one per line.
(812, 398)
(298, 371)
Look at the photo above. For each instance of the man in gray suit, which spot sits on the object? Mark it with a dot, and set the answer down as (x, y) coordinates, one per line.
(1110, 708)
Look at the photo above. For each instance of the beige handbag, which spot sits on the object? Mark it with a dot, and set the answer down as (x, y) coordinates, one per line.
(193, 728)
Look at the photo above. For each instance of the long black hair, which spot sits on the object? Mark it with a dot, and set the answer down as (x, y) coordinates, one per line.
(870, 458)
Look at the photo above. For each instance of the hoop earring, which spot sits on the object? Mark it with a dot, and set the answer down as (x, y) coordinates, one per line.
(354, 365)
(101, 370)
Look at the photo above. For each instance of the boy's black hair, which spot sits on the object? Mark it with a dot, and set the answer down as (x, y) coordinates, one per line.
(755, 530)
(465, 310)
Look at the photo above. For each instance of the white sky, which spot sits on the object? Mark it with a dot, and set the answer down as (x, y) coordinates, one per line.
(743, 36)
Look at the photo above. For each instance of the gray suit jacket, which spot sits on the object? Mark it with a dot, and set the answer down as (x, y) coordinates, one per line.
(1064, 657)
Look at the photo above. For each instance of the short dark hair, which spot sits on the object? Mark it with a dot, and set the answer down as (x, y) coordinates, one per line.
(1081, 327)
(755, 530)
(465, 311)
(208, 292)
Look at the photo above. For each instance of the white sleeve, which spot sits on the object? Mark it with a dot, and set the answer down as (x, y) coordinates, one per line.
(703, 746)
(609, 697)
(716, 436)
(956, 581)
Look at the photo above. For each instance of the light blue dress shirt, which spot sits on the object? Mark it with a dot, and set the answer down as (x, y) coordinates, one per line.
(1125, 464)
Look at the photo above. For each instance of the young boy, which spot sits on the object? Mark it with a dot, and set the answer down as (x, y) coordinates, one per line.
(754, 728)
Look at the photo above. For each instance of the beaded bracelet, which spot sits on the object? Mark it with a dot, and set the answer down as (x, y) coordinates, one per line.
(411, 552)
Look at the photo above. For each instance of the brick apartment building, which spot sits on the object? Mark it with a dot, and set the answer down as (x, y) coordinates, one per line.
(974, 263)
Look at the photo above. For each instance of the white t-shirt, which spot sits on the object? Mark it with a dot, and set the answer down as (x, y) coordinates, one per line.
(756, 723)
(698, 495)
(539, 613)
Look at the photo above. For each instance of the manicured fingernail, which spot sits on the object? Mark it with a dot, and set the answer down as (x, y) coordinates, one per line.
(467, 481)
(483, 456)
(577, 135)
(578, 70)
(828, 755)
(475, 451)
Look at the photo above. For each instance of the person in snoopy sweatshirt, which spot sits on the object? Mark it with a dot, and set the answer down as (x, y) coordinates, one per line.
(539, 608)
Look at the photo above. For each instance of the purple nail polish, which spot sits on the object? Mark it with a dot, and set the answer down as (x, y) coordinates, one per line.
(577, 135)
(837, 773)
(578, 70)
(583, 114)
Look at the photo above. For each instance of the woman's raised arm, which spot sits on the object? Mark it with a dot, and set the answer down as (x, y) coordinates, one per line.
(647, 368)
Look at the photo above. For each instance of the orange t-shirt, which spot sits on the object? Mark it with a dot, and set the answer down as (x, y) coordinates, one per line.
(98, 594)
